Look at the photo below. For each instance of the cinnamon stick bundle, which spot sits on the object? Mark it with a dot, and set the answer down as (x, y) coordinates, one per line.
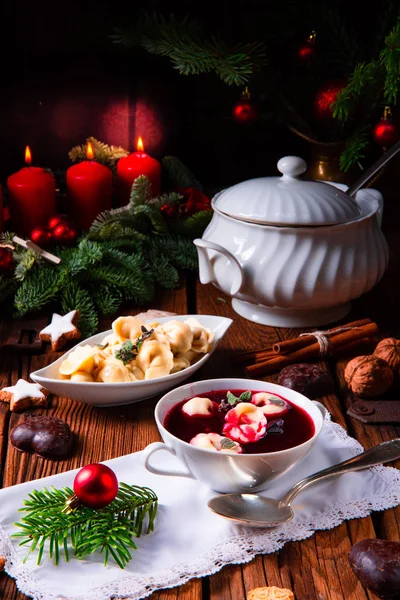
(288, 346)
(338, 342)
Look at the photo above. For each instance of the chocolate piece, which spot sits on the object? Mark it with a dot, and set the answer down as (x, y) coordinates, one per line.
(375, 411)
(377, 565)
(311, 380)
(45, 436)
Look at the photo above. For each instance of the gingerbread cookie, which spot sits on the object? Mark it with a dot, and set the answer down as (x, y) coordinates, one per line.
(24, 395)
(61, 329)
(45, 436)
(270, 593)
(308, 379)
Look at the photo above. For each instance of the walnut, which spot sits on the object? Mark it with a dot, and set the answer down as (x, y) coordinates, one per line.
(368, 376)
(389, 350)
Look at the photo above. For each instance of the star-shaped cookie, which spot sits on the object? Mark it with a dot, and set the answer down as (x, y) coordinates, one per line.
(61, 329)
(24, 395)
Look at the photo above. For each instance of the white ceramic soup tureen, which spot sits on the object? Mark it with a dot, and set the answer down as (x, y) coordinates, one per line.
(290, 252)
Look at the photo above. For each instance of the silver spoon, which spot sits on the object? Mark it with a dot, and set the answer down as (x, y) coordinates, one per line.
(257, 511)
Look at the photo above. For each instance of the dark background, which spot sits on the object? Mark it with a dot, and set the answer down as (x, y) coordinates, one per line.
(64, 79)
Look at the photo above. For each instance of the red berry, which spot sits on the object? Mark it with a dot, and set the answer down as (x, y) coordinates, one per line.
(57, 220)
(6, 259)
(64, 234)
(41, 236)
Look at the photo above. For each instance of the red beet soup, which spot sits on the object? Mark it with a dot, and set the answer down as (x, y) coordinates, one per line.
(286, 429)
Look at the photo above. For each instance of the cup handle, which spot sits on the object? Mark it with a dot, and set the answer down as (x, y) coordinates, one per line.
(322, 409)
(156, 447)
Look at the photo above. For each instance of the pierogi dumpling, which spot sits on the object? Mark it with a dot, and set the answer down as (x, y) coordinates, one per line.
(127, 328)
(154, 359)
(80, 359)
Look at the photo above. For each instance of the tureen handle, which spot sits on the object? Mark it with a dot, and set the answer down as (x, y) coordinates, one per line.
(227, 276)
(370, 200)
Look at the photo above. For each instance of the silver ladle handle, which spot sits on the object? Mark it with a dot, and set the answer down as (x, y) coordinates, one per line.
(367, 175)
(382, 453)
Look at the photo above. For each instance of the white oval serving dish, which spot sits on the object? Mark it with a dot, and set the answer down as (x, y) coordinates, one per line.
(116, 394)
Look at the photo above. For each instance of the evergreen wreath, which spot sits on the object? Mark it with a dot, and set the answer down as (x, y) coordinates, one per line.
(109, 530)
(126, 253)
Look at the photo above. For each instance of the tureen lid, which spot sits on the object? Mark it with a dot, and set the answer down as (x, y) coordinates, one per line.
(287, 200)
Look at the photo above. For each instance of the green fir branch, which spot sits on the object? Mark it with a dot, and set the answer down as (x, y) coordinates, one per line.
(103, 153)
(140, 192)
(106, 299)
(390, 60)
(176, 174)
(354, 151)
(40, 286)
(180, 251)
(109, 531)
(74, 297)
(189, 49)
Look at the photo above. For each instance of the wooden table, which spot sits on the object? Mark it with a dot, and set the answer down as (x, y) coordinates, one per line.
(316, 568)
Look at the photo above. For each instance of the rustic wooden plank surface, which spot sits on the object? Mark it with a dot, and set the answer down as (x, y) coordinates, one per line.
(315, 568)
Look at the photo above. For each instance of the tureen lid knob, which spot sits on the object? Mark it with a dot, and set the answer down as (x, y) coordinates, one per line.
(291, 166)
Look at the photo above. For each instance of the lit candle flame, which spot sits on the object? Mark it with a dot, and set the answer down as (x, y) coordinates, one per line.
(28, 156)
(89, 151)
(139, 145)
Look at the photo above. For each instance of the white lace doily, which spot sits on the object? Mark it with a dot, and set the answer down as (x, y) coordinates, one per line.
(190, 541)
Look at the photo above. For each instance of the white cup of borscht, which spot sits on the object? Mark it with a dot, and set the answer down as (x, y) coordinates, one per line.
(234, 435)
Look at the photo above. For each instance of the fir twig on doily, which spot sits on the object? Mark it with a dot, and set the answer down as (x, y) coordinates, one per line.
(109, 531)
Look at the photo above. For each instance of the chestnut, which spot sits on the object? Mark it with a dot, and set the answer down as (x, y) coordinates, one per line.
(45, 436)
(377, 565)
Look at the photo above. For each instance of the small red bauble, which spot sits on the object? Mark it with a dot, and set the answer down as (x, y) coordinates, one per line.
(324, 99)
(41, 236)
(307, 50)
(245, 111)
(6, 259)
(57, 220)
(64, 234)
(385, 133)
(96, 485)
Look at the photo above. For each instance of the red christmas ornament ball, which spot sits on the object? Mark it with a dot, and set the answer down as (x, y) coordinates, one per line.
(96, 485)
(306, 51)
(324, 98)
(57, 220)
(6, 259)
(64, 234)
(245, 111)
(41, 236)
(385, 133)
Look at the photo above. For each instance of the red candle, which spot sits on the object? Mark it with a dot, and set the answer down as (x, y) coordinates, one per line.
(132, 166)
(89, 187)
(32, 197)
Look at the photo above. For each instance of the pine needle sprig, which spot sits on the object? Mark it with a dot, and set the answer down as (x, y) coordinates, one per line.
(74, 297)
(39, 287)
(176, 174)
(180, 251)
(354, 150)
(189, 49)
(103, 153)
(390, 60)
(108, 531)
